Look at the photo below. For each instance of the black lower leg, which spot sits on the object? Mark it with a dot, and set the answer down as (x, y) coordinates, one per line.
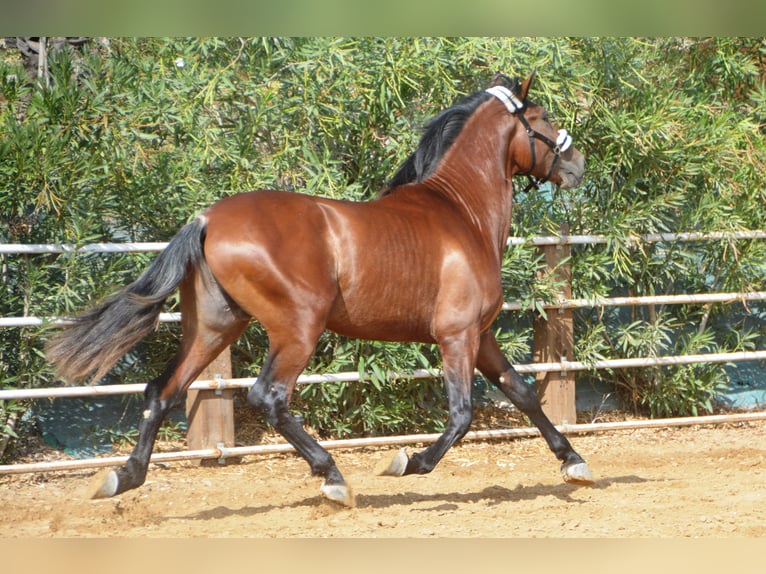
(133, 474)
(461, 414)
(495, 366)
(270, 400)
(524, 397)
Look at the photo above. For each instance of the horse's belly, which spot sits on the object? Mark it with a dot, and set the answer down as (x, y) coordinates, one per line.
(381, 320)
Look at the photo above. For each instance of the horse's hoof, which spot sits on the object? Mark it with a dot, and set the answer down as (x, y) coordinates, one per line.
(578, 473)
(104, 484)
(396, 467)
(339, 493)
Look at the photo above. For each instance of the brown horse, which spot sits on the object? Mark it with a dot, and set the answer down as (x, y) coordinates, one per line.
(420, 263)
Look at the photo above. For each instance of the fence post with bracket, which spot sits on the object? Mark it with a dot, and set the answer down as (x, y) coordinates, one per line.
(554, 341)
(210, 413)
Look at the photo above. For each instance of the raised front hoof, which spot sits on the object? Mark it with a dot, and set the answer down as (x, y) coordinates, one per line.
(395, 467)
(104, 484)
(577, 473)
(339, 493)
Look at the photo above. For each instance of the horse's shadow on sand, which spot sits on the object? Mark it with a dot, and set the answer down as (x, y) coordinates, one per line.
(492, 495)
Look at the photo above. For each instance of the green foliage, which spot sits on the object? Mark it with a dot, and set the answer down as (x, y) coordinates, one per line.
(136, 136)
(386, 402)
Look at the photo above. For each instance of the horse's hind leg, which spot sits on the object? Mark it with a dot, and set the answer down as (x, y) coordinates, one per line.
(210, 322)
(493, 365)
(115, 481)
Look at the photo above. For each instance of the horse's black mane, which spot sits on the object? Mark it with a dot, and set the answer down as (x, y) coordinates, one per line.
(439, 134)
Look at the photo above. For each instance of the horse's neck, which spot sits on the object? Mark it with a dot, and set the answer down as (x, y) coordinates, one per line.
(473, 174)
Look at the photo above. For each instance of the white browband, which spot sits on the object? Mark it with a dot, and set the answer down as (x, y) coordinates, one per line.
(507, 97)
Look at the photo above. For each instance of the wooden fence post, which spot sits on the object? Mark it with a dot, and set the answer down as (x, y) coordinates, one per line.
(210, 413)
(554, 341)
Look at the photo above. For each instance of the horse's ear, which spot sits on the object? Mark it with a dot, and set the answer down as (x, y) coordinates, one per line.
(527, 84)
(497, 80)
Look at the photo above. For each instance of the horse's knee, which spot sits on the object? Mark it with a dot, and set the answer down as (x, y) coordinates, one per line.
(268, 400)
(257, 398)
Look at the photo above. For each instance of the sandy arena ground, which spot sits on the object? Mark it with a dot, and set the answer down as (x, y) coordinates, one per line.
(705, 481)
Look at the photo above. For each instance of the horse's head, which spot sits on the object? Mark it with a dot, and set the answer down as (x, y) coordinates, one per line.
(547, 151)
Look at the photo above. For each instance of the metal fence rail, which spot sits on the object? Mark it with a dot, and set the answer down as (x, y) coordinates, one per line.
(219, 384)
(149, 246)
(649, 238)
(222, 453)
(701, 298)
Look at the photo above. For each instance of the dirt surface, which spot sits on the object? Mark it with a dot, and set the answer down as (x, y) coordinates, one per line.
(705, 481)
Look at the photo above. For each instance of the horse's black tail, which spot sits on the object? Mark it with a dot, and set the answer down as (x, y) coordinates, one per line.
(94, 341)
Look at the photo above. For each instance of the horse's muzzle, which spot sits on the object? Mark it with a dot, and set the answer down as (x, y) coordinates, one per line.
(571, 170)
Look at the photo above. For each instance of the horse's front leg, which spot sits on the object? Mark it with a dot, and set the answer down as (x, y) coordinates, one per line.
(458, 358)
(493, 365)
(270, 397)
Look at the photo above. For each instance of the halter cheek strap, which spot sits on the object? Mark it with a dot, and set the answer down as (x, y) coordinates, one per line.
(516, 107)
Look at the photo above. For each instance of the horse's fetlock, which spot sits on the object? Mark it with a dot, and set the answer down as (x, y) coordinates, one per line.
(417, 465)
